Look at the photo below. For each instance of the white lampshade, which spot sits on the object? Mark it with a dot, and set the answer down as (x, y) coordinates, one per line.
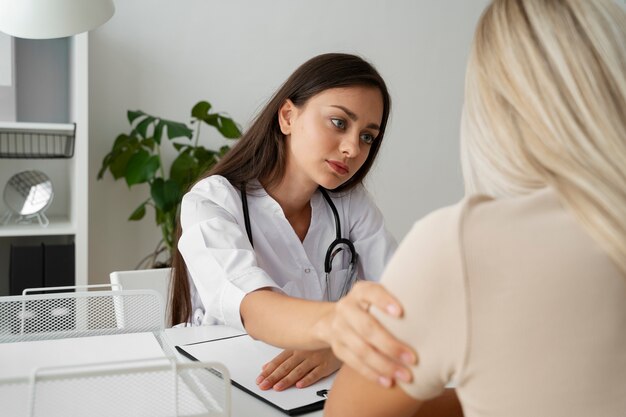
(43, 19)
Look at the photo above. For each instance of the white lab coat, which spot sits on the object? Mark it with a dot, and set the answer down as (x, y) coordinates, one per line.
(223, 267)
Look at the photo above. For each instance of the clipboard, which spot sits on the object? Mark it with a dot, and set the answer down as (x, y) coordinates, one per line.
(244, 357)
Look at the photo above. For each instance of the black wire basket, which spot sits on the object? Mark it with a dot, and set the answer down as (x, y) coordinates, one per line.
(37, 140)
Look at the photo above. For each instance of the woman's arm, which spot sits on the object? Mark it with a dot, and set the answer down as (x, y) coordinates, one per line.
(353, 395)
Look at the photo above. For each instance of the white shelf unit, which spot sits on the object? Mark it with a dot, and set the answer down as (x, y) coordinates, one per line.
(68, 213)
(59, 225)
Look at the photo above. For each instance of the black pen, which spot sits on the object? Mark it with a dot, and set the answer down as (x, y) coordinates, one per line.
(323, 393)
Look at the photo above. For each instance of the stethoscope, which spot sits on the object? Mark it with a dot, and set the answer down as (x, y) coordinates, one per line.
(335, 247)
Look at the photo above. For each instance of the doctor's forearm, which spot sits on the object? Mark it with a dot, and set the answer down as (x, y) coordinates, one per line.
(285, 321)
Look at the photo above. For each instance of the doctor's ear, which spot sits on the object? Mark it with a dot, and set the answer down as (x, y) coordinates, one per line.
(285, 116)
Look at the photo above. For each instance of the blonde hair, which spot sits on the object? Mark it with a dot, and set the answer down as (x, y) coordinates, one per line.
(545, 105)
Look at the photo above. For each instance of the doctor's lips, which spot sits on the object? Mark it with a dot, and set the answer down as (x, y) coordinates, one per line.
(339, 167)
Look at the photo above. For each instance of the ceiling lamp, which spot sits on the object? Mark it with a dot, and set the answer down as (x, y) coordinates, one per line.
(45, 19)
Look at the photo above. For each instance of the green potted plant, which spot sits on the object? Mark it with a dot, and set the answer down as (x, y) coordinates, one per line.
(137, 158)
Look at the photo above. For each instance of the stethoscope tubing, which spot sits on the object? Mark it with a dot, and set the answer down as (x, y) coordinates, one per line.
(333, 245)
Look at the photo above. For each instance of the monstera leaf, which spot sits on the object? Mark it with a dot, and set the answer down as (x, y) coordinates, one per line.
(136, 157)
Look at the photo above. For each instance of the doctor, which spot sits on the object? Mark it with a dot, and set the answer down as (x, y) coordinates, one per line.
(284, 218)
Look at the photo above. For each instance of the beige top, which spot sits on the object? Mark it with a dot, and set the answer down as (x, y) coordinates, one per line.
(517, 304)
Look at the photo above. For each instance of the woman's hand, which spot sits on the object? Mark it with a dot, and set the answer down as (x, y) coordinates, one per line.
(299, 367)
(361, 342)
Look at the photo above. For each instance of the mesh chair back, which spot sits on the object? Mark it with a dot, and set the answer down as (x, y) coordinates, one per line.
(79, 314)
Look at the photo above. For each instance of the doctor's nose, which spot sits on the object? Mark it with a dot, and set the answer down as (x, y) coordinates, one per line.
(350, 146)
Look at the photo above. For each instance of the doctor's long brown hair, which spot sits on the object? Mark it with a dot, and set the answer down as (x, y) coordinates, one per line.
(260, 153)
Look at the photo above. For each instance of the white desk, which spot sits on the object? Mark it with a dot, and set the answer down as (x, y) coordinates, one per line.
(243, 404)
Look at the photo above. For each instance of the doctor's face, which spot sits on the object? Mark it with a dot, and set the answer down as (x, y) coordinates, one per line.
(330, 136)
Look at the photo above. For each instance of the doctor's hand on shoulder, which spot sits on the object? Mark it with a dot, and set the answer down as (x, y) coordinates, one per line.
(360, 341)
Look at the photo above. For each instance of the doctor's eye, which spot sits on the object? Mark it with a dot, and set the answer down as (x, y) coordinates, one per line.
(340, 123)
(367, 138)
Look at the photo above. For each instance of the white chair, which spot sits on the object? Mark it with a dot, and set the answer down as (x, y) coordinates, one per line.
(141, 279)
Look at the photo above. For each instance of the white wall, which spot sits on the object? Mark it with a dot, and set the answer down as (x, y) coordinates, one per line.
(7, 82)
(162, 56)
(42, 80)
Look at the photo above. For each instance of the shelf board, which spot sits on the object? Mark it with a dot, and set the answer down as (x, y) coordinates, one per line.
(58, 226)
(37, 140)
(44, 128)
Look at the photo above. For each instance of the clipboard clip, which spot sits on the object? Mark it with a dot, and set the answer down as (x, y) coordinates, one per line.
(323, 393)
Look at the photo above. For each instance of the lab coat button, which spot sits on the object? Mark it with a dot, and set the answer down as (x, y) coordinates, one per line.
(307, 270)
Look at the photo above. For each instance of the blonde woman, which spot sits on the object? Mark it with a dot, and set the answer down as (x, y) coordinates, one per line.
(518, 292)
